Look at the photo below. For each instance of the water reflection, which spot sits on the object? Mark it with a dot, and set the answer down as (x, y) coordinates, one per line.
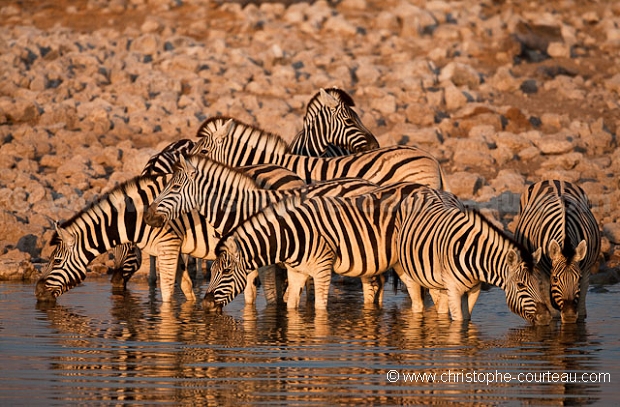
(129, 347)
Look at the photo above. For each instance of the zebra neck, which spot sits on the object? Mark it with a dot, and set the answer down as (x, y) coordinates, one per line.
(482, 251)
(115, 218)
(225, 211)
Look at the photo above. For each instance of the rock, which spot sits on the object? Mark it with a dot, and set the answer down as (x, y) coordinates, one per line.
(454, 98)
(612, 232)
(509, 180)
(464, 184)
(460, 75)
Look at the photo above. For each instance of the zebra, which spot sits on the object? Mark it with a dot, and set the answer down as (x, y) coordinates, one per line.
(332, 128)
(410, 227)
(555, 216)
(115, 219)
(237, 144)
(226, 197)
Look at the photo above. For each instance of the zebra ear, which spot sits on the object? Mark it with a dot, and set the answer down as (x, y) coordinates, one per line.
(537, 255)
(554, 249)
(220, 134)
(327, 99)
(513, 258)
(580, 251)
(67, 238)
(188, 168)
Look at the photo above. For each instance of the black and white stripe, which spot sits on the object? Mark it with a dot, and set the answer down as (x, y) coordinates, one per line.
(225, 197)
(127, 260)
(556, 217)
(332, 128)
(426, 235)
(237, 144)
(117, 218)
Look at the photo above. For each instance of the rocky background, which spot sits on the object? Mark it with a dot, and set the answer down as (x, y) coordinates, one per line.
(504, 93)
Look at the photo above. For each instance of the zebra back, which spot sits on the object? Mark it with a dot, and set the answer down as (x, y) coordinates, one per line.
(332, 128)
(236, 144)
(226, 196)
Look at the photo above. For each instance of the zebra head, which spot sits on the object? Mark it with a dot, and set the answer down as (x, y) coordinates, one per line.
(525, 288)
(212, 136)
(228, 278)
(566, 276)
(64, 270)
(332, 127)
(178, 196)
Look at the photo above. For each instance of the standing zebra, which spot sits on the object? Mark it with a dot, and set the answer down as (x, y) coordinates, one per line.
(555, 216)
(226, 197)
(237, 144)
(364, 236)
(332, 128)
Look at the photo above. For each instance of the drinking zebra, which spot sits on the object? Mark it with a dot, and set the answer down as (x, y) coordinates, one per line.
(237, 144)
(117, 218)
(332, 128)
(426, 235)
(225, 197)
(555, 216)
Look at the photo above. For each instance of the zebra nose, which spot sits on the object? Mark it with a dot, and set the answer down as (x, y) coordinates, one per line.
(208, 303)
(42, 294)
(569, 313)
(154, 219)
(543, 316)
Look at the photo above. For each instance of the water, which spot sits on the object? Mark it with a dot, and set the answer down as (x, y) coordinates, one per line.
(98, 347)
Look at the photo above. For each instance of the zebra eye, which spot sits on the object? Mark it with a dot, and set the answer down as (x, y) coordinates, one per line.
(175, 187)
(57, 262)
(555, 279)
(521, 286)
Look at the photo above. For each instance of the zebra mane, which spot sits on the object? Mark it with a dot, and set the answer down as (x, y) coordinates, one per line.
(119, 190)
(216, 169)
(339, 94)
(526, 256)
(245, 133)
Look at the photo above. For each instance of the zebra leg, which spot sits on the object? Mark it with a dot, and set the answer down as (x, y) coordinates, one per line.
(440, 299)
(455, 301)
(168, 265)
(472, 297)
(249, 293)
(296, 282)
(372, 287)
(413, 288)
(198, 277)
(322, 281)
(583, 290)
(152, 271)
(267, 277)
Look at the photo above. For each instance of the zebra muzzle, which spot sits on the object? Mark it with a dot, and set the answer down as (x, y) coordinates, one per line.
(153, 218)
(42, 294)
(209, 304)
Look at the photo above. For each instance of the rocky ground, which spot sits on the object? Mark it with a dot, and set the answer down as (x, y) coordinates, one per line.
(505, 93)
